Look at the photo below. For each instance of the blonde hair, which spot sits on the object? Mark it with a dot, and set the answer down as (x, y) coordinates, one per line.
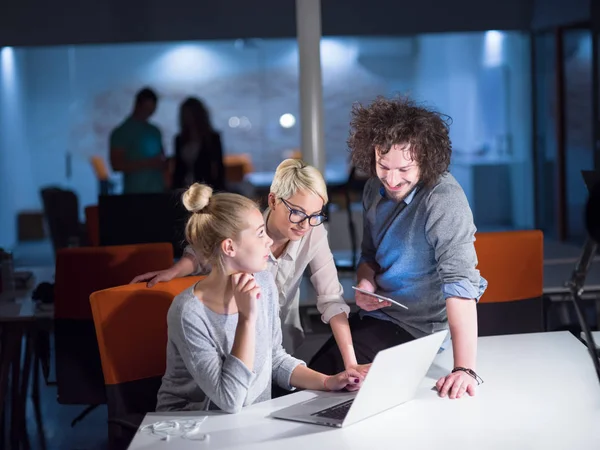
(293, 175)
(214, 218)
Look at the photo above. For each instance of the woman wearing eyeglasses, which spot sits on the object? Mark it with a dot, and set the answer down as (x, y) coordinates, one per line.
(294, 221)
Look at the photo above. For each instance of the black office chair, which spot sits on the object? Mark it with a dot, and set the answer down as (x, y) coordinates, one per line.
(143, 219)
(61, 208)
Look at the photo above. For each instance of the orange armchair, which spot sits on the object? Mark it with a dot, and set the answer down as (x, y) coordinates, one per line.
(237, 166)
(131, 328)
(80, 272)
(513, 264)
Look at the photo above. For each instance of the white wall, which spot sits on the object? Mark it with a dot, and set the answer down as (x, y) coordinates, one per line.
(79, 94)
(17, 187)
(76, 95)
(47, 82)
(448, 70)
(520, 128)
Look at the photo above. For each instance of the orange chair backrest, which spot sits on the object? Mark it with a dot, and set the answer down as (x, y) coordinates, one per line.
(296, 154)
(83, 270)
(513, 264)
(237, 166)
(92, 225)
(131, 327)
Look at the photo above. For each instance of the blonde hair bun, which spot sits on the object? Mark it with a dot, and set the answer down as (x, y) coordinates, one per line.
(217, 217)
(196, 198)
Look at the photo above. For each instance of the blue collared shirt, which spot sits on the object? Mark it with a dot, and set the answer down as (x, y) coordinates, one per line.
(424, 248)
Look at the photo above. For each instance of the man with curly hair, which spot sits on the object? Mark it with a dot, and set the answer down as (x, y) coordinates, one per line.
(417, 243)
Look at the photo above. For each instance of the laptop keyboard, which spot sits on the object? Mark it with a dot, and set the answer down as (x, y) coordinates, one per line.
(335, 412)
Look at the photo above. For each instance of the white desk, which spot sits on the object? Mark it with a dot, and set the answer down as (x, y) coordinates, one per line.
(540, 392)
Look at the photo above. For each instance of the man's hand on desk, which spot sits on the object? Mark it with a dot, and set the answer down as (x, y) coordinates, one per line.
(456, 384)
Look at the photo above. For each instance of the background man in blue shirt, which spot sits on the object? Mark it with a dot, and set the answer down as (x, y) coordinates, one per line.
(417, 243)
(136, 148)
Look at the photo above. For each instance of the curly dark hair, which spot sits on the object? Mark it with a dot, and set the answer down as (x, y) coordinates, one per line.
(398, 121)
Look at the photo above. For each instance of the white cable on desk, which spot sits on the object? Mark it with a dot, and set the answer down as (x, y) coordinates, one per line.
(183, 428)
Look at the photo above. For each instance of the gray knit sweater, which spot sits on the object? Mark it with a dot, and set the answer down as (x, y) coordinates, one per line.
(199, 359)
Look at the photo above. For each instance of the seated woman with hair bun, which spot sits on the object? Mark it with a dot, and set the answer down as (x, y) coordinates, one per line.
(224, 345)
(294, 223)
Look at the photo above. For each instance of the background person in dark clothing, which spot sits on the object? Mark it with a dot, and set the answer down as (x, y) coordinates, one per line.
(198, 151)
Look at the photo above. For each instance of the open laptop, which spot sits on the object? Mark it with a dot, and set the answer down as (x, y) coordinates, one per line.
(393, 379)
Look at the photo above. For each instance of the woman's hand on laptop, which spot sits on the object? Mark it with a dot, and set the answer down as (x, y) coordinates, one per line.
(351, 379)
(363, 370)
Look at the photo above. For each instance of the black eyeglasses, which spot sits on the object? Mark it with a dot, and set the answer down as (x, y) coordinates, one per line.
(297, 216)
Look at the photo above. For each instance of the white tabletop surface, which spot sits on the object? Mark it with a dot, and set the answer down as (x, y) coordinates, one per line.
(540, 392)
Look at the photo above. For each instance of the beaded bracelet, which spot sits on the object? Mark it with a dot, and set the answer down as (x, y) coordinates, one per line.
(471, 372)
